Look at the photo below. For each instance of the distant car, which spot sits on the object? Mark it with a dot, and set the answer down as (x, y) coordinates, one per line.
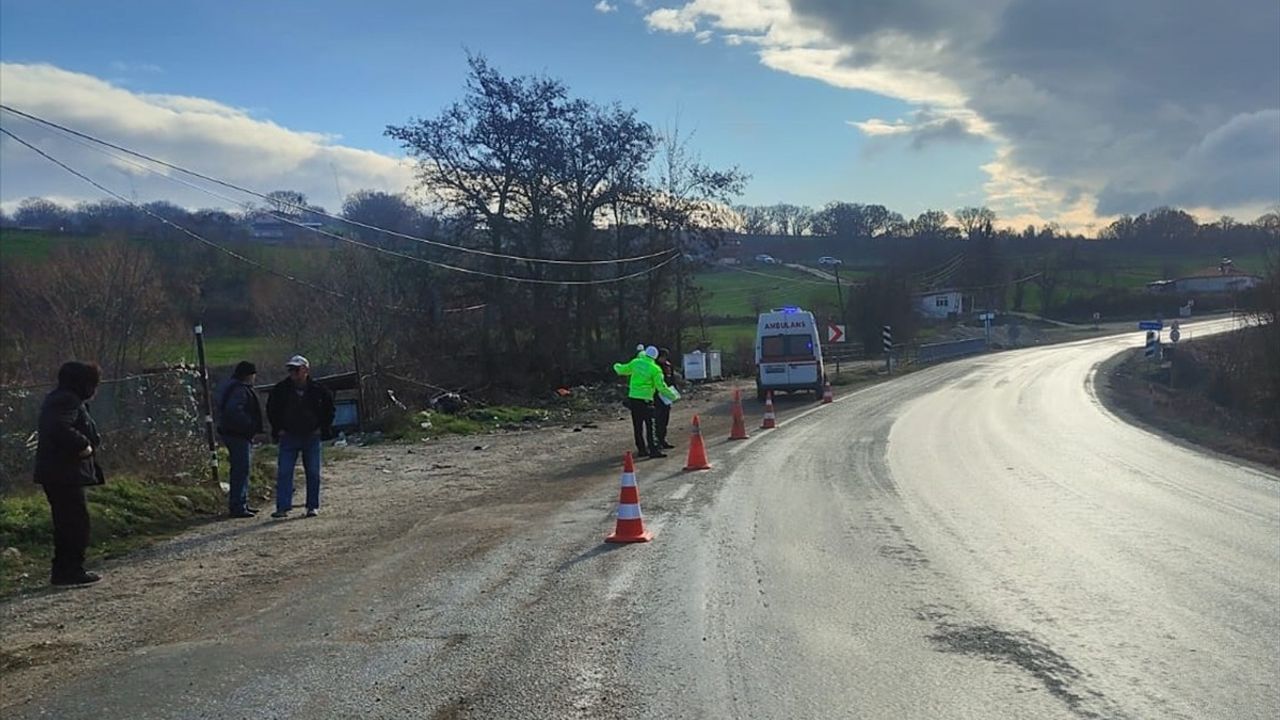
(766, 259)
(828, 260)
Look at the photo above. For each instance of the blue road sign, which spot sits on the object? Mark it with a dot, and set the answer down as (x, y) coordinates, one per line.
(1151, 325)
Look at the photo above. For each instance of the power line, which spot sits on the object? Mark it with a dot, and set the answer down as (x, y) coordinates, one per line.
(427, 241)
(351, 241)
(227, 251)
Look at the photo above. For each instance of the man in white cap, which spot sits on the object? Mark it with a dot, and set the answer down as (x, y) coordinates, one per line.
(301, 413)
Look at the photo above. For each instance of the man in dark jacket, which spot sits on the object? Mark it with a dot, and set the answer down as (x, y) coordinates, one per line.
(662, 406)
(66, 461)
(301, 414)
(239, 422)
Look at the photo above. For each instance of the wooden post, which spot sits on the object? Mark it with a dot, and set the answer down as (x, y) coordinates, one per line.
(360, 406)
(208, 405)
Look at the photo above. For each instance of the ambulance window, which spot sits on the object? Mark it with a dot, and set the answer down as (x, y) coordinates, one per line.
(799, 346)
(773, 346)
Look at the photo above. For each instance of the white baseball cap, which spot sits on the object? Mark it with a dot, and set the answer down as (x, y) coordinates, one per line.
(298, 361)
(651, 351)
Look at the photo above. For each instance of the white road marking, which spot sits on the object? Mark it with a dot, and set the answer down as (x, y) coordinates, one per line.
(681, 492)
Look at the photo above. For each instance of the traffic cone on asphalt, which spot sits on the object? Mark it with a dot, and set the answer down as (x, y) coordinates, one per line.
(630, 527)
(697, 450)
(770, 420)
(739, 431)
(827, 396)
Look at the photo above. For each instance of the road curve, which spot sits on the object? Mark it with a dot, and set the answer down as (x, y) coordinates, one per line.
(980, 539)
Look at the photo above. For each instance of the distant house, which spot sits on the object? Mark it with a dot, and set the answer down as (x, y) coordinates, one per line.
(268, 227)
(939, 303)
(1221, 279)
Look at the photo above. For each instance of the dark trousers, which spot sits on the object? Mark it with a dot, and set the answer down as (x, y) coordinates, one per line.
(70, 528)
(661, 419)
(642, 424)
(239, 455)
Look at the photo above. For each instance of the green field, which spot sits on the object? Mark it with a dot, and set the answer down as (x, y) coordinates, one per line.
(735, 293)
(225, 351)
(32, 245)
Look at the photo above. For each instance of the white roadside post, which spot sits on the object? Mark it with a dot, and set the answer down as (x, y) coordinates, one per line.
(886, 334)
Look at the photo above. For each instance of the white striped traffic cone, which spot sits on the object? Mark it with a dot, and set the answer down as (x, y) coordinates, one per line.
(630, 527)
(770, 420)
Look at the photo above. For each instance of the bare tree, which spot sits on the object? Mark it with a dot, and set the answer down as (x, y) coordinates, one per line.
(107, 304)
(977, 222)
(789, 219)
(755, 219)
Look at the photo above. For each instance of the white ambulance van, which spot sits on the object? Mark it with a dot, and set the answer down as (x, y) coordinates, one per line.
(788, 352)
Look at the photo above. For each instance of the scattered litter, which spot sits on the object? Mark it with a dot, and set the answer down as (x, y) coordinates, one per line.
(564, 392)
(341, 441)
(448, 403)
(478, 447)
(395, 401)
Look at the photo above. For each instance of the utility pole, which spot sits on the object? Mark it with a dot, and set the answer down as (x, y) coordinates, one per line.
(679, 297)
(844, 316)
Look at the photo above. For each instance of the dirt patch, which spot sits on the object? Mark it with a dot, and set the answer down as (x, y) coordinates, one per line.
(458, 496)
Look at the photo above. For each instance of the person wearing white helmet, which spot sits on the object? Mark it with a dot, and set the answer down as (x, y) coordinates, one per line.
(645, 381)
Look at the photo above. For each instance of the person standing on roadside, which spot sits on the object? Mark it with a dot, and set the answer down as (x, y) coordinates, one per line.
(301, 413)
(645, 381)
(239, 422)
(661, 404)
(66, 461)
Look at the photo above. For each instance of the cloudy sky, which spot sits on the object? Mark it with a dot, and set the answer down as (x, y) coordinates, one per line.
(1069, 111)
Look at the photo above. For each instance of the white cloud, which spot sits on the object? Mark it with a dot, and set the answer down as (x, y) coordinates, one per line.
(1089, 116)
(604, 7)
(199, 133)
(875, 127)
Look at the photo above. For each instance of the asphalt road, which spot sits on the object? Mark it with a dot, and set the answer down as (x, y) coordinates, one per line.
(980, 539)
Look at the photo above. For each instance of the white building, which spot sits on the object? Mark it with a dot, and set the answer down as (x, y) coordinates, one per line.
(1221, 279)
(939, 303)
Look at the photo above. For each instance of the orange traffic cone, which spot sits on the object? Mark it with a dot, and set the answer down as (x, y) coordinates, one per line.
(697, 450)
(739, 431)
(827, 396)
(630, 527)
(770, 420)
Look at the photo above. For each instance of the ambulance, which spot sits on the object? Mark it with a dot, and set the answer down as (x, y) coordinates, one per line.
(788, 352)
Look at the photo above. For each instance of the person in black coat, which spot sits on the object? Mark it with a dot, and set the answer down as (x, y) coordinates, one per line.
(662, 406)
(239, 422)
(301, 413)
(66, 461)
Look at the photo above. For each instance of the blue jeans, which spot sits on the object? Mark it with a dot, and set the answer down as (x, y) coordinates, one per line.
(239, 453)
(290, 447)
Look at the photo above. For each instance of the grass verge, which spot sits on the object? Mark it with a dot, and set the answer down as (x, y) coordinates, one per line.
(126, 514)
(1138, 391)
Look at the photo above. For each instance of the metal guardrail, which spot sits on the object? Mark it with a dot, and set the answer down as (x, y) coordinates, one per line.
(934, 352)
